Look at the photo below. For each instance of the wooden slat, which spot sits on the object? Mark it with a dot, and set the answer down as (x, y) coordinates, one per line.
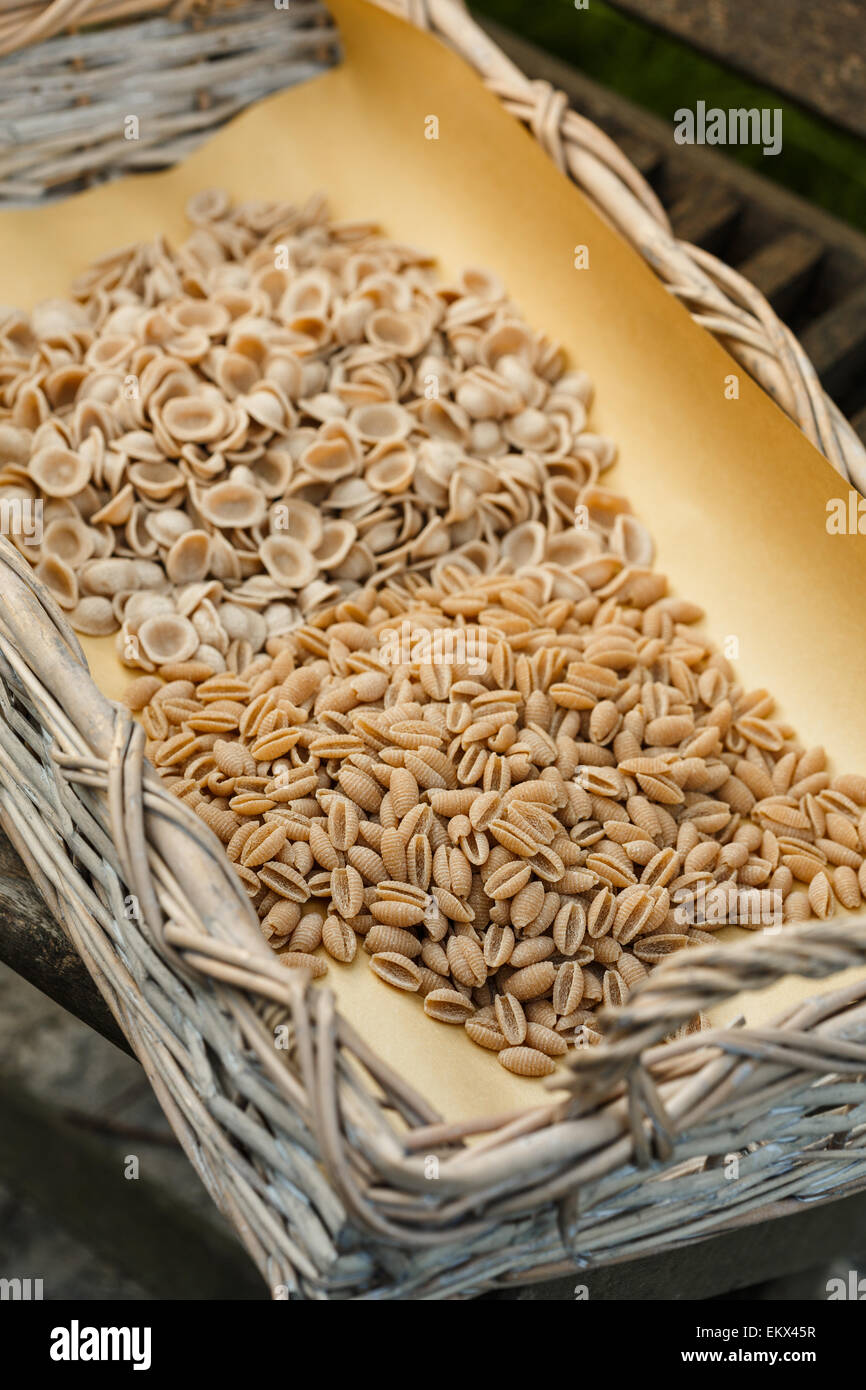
(794, 1237)
(783, 270)
(811, 52)
(836, 343)
(644, 154)
(706, 215)
(35, 946)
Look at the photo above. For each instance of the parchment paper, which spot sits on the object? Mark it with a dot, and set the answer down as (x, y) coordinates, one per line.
(733, 493)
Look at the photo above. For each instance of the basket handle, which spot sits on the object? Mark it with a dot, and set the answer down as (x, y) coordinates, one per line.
(694, 980)
(717, 297)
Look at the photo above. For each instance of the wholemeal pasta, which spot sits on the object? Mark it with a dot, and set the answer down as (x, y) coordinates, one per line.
(520, 890)
(398, 645)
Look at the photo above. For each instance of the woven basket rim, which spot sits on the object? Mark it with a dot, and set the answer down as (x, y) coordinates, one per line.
(636, 1101)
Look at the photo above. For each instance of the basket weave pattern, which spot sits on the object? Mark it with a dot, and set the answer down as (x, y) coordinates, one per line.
(319, 1153)
(180, 78)
(304, 1150)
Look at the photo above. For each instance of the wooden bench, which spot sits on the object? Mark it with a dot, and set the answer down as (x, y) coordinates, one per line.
(812, 53)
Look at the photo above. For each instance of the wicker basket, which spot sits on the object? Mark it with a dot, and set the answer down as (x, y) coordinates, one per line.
(319, 1155)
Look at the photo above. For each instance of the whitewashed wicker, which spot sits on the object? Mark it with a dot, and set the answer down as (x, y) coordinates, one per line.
(319, 1154)
(179, 78)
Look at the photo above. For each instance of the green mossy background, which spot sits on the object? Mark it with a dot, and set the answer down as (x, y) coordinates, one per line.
(820, 162)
